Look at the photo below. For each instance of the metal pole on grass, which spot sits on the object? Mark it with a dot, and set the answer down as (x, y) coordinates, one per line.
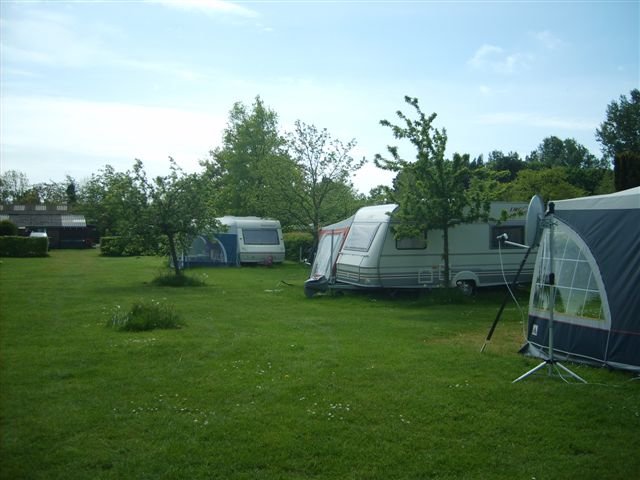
(551, 362)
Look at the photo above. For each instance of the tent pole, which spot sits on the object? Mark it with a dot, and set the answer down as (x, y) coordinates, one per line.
(331, 259)
(550, 362)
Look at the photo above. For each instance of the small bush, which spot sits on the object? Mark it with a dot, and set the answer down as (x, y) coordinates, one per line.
(144, 316)
(298, 244)
(173, 280)
(8, 229)
(110, 247)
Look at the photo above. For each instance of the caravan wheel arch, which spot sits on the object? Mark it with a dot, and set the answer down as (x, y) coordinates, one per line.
(467, 281)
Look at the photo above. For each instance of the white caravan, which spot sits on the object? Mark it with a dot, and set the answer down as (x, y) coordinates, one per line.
(362, 252)
(259, 239)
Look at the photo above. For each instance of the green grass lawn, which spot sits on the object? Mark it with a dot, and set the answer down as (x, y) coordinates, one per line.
(263, 383)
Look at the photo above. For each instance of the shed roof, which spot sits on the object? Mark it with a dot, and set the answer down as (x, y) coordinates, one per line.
(38, 216)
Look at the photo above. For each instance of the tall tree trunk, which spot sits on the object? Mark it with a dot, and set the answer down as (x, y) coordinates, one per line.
(173, 252)
(445, 237)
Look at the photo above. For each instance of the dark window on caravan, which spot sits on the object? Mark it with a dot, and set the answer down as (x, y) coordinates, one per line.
(412, 243)
(514, 232)
(260, 237)
(360, 236)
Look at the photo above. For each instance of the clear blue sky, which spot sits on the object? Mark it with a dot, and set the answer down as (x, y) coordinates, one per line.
(90, 83)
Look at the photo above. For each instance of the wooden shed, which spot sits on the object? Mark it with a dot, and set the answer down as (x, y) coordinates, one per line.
(64, 228)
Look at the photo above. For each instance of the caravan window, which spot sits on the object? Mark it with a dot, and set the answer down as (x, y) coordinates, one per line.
(412, 243)
(360, 236)
(260, 236)
(514, 232)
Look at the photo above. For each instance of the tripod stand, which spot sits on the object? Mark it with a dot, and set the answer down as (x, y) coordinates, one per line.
(550, 362)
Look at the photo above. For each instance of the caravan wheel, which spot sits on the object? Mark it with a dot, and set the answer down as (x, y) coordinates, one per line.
(467, 287)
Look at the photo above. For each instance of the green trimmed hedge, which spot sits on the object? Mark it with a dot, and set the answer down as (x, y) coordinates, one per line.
(296, 242)
(14, 246)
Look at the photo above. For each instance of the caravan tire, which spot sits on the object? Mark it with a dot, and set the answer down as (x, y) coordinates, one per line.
(467, 287)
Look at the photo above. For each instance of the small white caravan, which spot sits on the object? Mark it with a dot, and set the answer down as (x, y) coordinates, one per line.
(363, 252)
(259, 239)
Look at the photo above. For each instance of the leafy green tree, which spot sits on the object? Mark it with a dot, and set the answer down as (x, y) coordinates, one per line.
(56, 192)
(619, 136)
(379, 196)
(342, 201)
(15, 188)
(582, 169)
(251, 158)
(554, 152)
(174, 206)
(501, 162)
(71, 191)
(620, 132)
(280, 179)
(594, 181)
(627, 170)
(434, 192)
(13, 185)
(551, 183)
(108, 200)
(322, 191)
(31, 196)
(477, 162)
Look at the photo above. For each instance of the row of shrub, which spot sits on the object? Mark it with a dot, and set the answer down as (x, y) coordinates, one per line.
(15, 246)
(125, 247)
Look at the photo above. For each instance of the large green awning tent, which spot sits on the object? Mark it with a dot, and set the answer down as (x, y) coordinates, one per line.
(596, 269)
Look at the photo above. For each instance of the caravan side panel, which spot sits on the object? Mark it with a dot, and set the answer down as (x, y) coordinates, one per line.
(373, 258)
